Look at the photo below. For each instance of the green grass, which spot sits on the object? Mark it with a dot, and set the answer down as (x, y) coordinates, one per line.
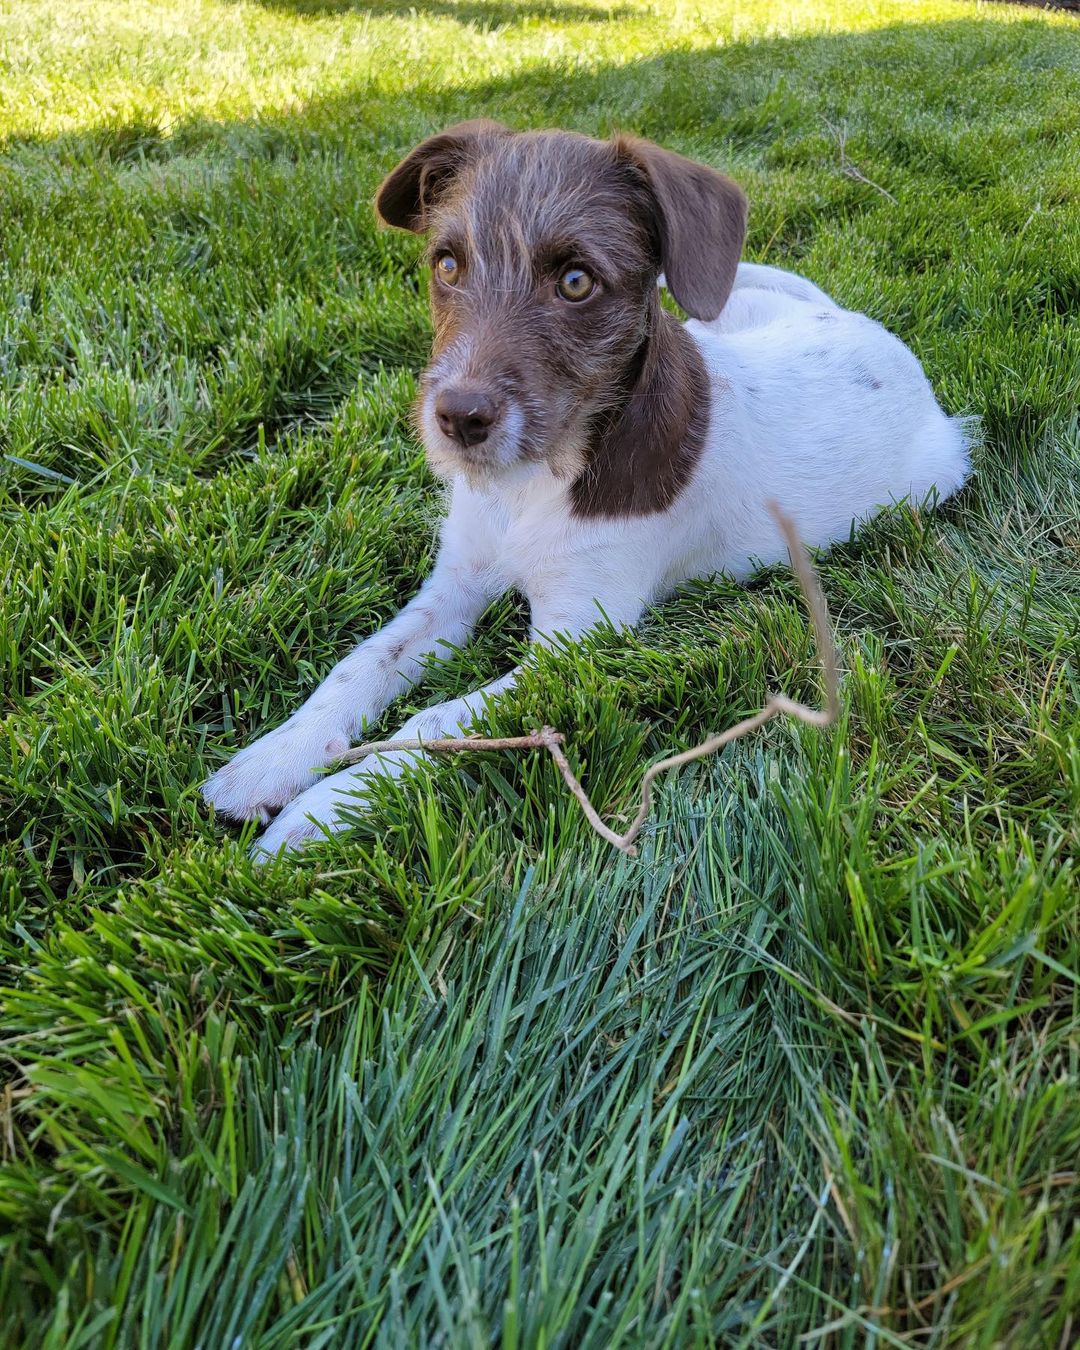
(804, 1073)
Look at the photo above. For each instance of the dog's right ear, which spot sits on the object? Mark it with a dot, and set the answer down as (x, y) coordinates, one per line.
(409, 192)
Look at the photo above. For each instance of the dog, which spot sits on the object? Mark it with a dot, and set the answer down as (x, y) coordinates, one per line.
(599, 452)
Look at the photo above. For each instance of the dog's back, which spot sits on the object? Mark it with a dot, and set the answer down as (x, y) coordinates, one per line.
(819, 407)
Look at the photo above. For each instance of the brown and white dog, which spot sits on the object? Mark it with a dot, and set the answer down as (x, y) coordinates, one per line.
(599, 451)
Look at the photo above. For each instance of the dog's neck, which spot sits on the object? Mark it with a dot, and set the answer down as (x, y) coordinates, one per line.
(640, 455)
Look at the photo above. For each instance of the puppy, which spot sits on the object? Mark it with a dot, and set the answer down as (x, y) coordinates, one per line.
(598, 451)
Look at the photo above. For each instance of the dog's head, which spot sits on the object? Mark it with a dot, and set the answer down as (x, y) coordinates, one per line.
(545, 248)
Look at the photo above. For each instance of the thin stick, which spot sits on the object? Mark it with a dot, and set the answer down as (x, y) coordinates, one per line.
(852, 170)
(579, 792)
(535, 740)
(551, 740)
(777, 703)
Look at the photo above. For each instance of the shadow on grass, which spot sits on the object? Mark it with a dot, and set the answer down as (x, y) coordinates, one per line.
(482, 13)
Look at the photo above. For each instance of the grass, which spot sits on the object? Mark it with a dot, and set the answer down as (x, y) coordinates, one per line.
(804, 1073)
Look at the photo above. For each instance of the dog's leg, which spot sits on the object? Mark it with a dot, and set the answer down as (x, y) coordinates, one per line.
(319, 810)
(265, 776)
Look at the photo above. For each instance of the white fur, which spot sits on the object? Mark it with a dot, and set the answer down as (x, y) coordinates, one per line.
(813, 405)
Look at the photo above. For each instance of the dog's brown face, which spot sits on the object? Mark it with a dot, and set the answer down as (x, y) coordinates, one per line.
(545, 249)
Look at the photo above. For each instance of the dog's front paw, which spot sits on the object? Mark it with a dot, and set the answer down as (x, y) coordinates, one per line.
(313, 815)
(264, 777)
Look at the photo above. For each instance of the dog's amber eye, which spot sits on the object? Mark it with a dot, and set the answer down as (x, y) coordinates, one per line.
(447, 267)
(574, 284)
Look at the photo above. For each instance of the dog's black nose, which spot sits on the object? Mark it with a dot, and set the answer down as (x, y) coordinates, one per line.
(465, 415)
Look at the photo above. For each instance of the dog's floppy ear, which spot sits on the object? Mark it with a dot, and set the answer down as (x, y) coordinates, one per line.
(410, 191)
(701, 221)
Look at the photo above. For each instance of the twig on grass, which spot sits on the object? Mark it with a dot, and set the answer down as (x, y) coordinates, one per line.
(535, 740)
(850, 170)
(547, 738)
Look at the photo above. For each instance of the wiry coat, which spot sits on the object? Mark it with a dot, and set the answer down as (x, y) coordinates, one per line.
(600, 454)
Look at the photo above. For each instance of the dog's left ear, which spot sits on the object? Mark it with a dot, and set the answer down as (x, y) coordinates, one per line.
(409, 192)
(701, 220)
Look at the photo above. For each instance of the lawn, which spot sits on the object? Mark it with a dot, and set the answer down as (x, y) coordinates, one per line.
(805, 1072)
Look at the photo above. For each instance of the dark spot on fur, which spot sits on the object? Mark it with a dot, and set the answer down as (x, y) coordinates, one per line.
(862, 377)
